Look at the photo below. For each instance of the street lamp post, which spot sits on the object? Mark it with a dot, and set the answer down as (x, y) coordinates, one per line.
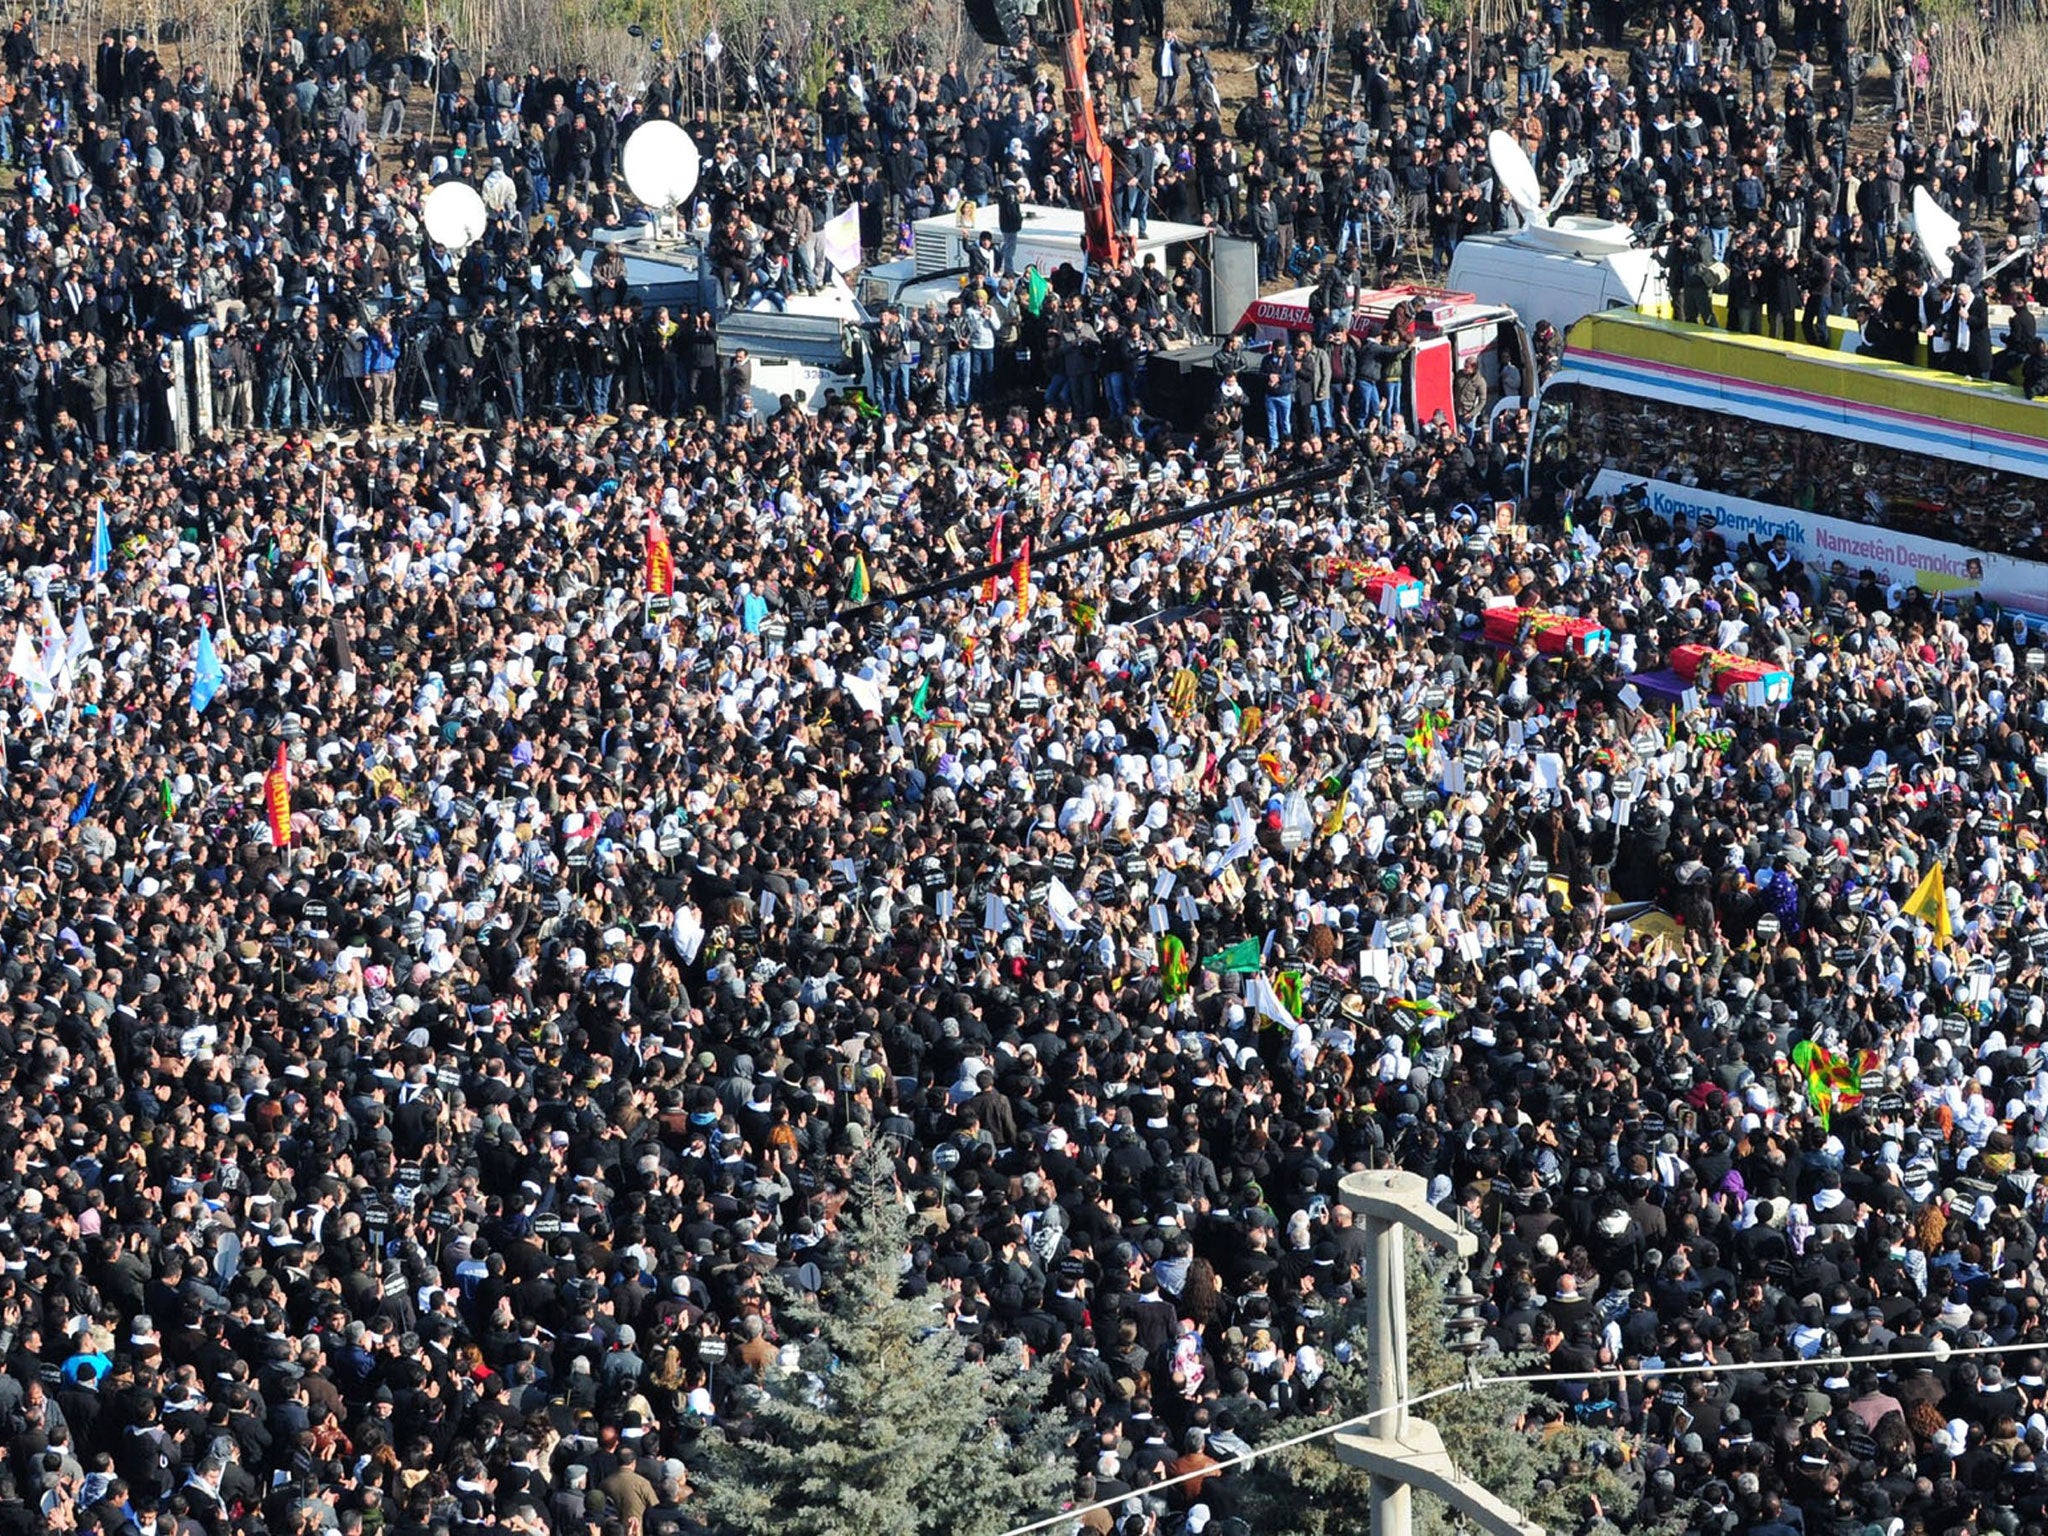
(1399, 1451)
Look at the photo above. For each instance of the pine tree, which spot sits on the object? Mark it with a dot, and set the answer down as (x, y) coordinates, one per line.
(1497, 1435)
(887, 1427)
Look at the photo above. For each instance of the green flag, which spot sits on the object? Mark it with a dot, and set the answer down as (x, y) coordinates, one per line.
(168, 800)
(857, 587)
(1036, 290)
(917, 699)
(1243, 956)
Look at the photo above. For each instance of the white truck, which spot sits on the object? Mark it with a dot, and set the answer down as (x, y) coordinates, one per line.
(1053, 238)
(813, 346)
(1559, 272)
(1553, 266)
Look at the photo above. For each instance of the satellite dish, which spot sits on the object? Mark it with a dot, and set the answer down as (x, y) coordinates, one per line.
(661, 165)
(1517, 177)
(454, 216)
(1938, 231)
(1577, 235)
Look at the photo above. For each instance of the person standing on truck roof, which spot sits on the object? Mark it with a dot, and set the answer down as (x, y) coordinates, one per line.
(1397, 344)
(983, 324)
(700, 358)
(665, 361)
(2020, 331)
(983, 261)
(892, 361)
(1278, 379)
(1823, 274)
(959, 354)
(739, 388)
(1362, 368)
(1010, 195)
(1311, 388)
(2034, 372)
(1781, 291)
(1685, 274)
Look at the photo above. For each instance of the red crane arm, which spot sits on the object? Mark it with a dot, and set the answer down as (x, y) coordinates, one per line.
(1104, 242)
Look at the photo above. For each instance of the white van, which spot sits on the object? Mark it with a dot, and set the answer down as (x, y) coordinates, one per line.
(1558, 274)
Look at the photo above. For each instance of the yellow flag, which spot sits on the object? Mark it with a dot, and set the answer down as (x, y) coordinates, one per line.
(1929, 902)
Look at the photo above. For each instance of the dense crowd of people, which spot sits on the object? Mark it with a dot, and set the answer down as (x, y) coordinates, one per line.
(391, 1158)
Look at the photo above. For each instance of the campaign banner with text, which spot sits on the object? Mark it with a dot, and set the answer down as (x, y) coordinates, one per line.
(1820, 541)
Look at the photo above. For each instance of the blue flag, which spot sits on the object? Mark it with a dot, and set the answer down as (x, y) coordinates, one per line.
(207, 673)
(102, 545)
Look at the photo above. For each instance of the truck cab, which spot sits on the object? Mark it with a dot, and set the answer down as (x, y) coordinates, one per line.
(1449, 328)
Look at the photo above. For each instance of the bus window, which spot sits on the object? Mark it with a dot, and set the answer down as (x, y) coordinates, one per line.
(1553, 421)
(1779, 465)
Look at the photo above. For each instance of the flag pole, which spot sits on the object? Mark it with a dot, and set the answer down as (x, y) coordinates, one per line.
(220, 598)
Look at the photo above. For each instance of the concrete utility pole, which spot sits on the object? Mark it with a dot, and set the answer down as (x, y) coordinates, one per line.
(1401, 1452)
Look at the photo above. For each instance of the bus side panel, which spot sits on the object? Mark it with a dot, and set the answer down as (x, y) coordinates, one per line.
(1430, 386)
(1826, 383)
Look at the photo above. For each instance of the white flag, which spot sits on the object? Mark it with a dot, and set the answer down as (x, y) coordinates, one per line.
(25, 663)
(56, 661)
(841, 238)
(1265, 1000)
(687, 933)
(56, 669)
(1242, 843)
(28, 666)
(995, 914)
(79, 647)
(1065, 910)
(863, 691)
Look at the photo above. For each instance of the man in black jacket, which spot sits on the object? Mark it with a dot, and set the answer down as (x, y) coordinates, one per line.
(1969, 331)
(2020, 332)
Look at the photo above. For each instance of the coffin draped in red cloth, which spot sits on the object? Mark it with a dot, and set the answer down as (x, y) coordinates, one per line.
(1555, 634)
(1718, 671)
(1386, 587)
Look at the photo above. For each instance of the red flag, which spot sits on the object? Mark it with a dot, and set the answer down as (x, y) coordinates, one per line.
(277, 800)
(661, 564)
(1020, 579)
(995, 557)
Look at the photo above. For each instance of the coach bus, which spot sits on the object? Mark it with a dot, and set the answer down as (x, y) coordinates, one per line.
(1924, 478)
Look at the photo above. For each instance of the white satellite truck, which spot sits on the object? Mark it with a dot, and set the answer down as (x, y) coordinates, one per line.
(1555, 267)
(1050, 239)
(1179, 383)
(811, 347)
(815, 345)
